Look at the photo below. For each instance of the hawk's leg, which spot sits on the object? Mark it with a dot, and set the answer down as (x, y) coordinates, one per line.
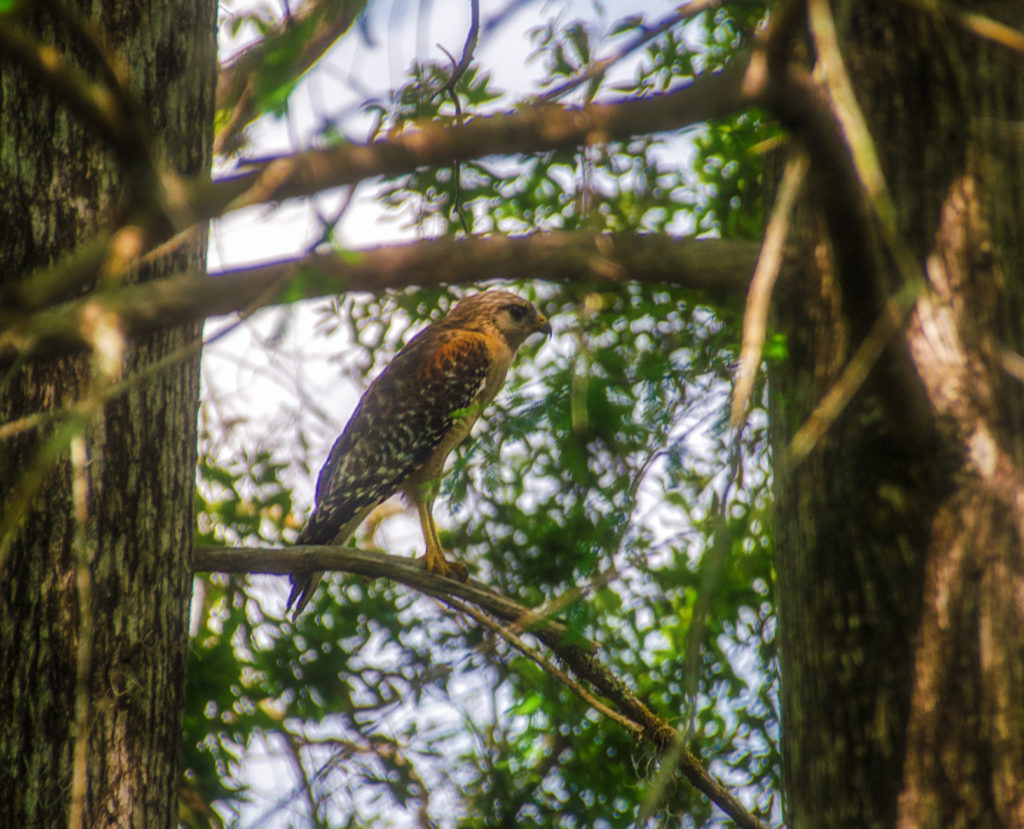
(434, 560)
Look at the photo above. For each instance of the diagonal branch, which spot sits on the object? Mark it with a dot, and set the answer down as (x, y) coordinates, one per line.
(581, 660)
(769, 264)
(512, 637)
(979, 25)
(472, 40)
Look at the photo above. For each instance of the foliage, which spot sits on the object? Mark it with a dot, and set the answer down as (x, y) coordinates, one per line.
(604, 485)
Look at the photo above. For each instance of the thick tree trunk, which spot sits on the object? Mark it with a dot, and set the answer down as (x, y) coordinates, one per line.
(900, 555)
(95, 568)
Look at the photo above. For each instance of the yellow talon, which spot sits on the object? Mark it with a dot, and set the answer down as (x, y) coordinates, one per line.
(434, 559)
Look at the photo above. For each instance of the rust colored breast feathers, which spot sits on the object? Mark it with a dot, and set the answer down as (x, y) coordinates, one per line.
(411, 417)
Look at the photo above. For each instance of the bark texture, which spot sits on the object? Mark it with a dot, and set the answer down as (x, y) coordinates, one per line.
(901, 537)
(95, 571)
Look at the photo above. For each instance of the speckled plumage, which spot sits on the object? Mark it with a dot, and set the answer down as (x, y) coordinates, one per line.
(411, 417)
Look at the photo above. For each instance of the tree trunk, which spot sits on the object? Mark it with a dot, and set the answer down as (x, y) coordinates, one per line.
(96, 565)
(900, 563)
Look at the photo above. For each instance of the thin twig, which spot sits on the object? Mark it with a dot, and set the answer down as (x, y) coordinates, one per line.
(469, 47)
(645, 36)
(711, 567)
(859, 140)
(328, 223)
(292, 750)
(458, 70)
(236, 83)
(545, 664)
(854, 375)
(847, 110)
(1012, 363)
(550, 609)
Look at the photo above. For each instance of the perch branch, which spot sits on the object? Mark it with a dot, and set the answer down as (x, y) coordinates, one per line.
(581, 660)
(310, 559)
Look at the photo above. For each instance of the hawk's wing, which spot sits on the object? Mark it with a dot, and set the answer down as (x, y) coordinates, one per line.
(402, 417)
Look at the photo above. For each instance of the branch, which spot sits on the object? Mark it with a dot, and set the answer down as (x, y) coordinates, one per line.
(86, 630)
(533, 129)
(581, 660)
(322, 22)
(718, 270)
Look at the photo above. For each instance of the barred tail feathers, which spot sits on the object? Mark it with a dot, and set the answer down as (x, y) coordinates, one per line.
(320, 533)
(303, 588)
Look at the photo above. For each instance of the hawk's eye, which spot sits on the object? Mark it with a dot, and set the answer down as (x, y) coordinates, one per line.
(517, 312)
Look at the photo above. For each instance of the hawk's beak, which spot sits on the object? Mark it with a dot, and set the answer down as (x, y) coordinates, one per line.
(542, 324)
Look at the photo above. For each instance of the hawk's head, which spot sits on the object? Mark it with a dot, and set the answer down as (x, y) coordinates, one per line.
(511, 316)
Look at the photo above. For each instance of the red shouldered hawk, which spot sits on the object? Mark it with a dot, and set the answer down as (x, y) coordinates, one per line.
(410, 418)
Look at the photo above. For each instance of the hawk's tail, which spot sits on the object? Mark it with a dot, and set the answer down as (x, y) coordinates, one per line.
(321, 529)
(303, 587)
(305, 584)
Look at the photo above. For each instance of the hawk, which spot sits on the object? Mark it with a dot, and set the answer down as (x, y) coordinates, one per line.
(410, 418)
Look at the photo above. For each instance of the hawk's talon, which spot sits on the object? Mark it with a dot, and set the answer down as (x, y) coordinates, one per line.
(440, 566)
